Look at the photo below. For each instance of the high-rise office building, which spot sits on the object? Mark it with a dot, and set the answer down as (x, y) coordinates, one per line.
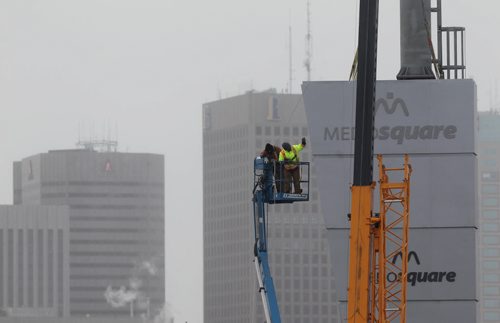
(116, 223)
(489, 223)
(235, 131)
(34, 248)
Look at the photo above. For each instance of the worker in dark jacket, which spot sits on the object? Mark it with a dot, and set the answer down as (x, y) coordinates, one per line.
(290, 157)
(272, 153)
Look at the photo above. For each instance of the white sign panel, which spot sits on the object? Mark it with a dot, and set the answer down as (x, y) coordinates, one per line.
(411, 116)
(441, 263)
(443, 189)
(435, 122)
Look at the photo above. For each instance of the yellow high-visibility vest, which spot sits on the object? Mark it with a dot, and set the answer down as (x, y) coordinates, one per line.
(291, 157)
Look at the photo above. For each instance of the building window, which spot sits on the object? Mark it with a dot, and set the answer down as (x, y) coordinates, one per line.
(490, 201)
(491, 252)
(286, 131)
(489, 189)
(491, 265)
(489, 151)
(267, 131)
(50, 268)
(488, 162)
(258, 130)
(41, 257)
(491, 303)
(491, 291)
(277, 131)
(295, 131)
(490, 214)
(10, 269)
(491, 278)
(207, 118)
(491, 316)
(487, 239)
(20, 268)
(60, 272)
(490, 227)
(31, 267)
(489, 176)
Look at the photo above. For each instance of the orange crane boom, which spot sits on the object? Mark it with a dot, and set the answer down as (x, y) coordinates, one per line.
(362, 189)
(375, 239)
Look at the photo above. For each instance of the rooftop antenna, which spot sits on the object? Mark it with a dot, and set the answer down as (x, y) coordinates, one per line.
(307, 62)
(290, 71)
(94, 143)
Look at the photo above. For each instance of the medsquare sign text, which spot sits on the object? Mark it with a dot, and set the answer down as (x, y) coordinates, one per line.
(397, 133)
(415, 277)
(390, 105)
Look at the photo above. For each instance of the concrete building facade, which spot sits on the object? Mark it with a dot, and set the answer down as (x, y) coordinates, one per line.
(116, 222)
(34, 252)
(235, 131)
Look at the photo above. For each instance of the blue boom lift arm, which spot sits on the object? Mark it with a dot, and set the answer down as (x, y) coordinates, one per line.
(264, 192)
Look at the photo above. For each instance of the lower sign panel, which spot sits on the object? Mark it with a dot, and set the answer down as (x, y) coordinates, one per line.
(441, 264)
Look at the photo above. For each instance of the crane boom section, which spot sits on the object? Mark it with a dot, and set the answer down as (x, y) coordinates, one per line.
(359, 258)
(362, 189)
(365, 93)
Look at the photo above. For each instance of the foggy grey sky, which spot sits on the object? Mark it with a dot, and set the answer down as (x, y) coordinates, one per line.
(147, 66)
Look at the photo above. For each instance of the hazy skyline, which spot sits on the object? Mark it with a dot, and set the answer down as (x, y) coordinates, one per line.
(146, 67)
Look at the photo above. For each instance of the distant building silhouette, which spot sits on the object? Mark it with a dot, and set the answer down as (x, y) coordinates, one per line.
(34, 250)
(235, 131)
(116, 224)
(489, 223)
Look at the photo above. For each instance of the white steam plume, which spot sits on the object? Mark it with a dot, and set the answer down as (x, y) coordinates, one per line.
(120, 297)
(164, 315)
(149, 266)
(123, 296)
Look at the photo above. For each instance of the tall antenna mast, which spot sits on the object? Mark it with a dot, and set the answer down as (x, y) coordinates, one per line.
(290, 71)
(307, 62)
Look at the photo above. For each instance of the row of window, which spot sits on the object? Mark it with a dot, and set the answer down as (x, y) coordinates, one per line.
(490, 252)
(490, 214)
(44, 184)
(491, 291)
(490, 188)
(490, 265)
(297, 208)
(159, 207)
(491, 278)
(281, 131)
(48, 252)
(305, 271)
(307, 258)
(225, 134)
(490, 239)
(490, 176)
(105, 195)
(288, 231)
(490, 227)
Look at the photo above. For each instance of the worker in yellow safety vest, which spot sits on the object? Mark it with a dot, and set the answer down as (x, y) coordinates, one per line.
(290, 157)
